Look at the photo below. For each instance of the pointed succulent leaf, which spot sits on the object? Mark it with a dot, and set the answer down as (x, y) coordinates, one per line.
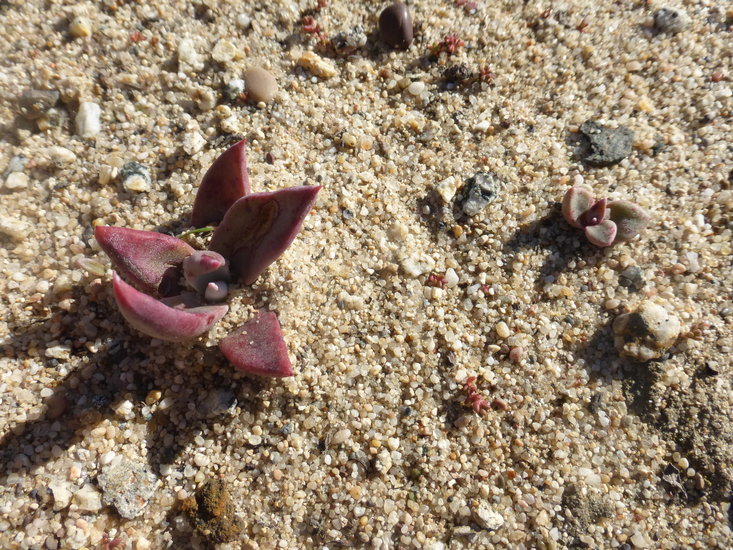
(577, 201)
(144, 257)
(630, 218)
(602, 234)
(223, 184)
(204, 267)
(595, 214)
(257, 347)
(158, 320)
(259, 227)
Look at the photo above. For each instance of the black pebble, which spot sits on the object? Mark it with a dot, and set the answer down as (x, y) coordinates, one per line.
(395, 25)
(606, 146)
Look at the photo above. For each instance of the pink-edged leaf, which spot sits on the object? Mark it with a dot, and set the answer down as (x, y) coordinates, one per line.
(575, 203)
(144, 257)
(259, 227)
(595, 214)
(630, 218)
(257, 347)
(602, 234)
(158, 320)
(224, 183)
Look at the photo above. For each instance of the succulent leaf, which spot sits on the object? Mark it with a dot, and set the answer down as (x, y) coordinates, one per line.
(204, 267)
(630, 218)
(158, 320)
(575, 203)
(144, 257)
(224, 183)
(595, 214)
(257, 347)
(602, 234)
(259, 227)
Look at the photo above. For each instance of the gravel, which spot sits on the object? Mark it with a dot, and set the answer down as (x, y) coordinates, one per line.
(386, 310)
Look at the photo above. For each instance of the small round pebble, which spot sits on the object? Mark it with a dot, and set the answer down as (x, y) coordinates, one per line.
(416, 88)
(395, 25)
(260, 84)
(16, 181)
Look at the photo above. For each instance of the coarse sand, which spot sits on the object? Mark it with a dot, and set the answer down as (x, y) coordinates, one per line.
(390, 298)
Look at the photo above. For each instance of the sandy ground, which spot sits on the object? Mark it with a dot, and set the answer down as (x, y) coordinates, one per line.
(371, 444)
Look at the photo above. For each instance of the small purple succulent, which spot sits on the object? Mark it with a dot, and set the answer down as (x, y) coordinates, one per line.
(182, 289)
(603, 222)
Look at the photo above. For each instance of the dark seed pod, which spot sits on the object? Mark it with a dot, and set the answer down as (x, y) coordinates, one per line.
(395, 25)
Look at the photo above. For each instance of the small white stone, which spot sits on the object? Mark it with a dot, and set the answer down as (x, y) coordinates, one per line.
(107, 457)
(446, 189)
(136, 184)
(639, 540)
(451, 277)
(107, 174)
(393, 443)
(61, 494)
(384, 462)
(502, 330)
(193, 142)
(60, 155)
(416, 88)
(16, 180)
(88, 499)
(224, 51)
(482, 126)
(414, 266)
(340, 436)
(243, 21)
(188, 57)
(487, 518)
(87, 119)
(124, 408)
(200, 460)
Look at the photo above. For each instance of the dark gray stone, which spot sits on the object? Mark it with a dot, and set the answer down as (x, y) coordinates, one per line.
(632, 277)
(127, 486)
(218, 401)
(478, 192)
(606, 146)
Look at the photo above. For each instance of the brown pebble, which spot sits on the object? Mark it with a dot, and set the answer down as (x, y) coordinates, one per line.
(260, 84)
(55, 406)
(395, 25)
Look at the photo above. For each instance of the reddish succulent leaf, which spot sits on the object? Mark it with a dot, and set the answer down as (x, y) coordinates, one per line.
(257, 347)
(144, 257)
(158, 320)
(575, 203)
(224, 183)
(630, 218)
(259, 227)
(595, 214)
(602, 234)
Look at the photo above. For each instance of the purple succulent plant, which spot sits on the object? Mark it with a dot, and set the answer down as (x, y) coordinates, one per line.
(603, 222)
(182, 289)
